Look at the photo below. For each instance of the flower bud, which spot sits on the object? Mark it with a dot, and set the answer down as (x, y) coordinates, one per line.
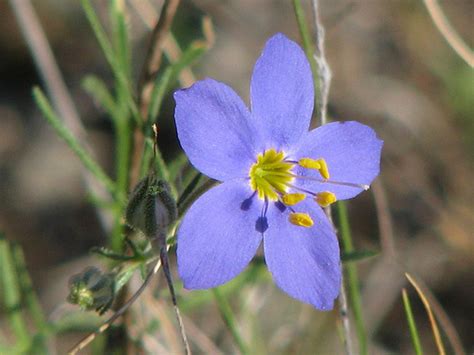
(92, 289)
(151, 208)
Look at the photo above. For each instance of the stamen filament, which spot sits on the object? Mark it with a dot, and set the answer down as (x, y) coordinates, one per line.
(341, 183)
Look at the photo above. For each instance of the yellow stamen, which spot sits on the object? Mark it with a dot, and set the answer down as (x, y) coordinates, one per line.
(292, 199)
(316, 164)
(325, 198)
(270, 175)
(309, 163)
(301, 219)
(324, 168)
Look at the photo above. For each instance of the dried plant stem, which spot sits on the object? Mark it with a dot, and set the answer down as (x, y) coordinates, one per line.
(449, 33)
(149, 71)
(149, 16)
(155, 51)
(344, 314)
(323, 67)
(314, 50)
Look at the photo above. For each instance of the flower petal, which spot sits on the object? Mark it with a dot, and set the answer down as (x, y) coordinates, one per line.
(282, 92)
(215, 129)
(219, 235)
(304, 262)
(352, 153)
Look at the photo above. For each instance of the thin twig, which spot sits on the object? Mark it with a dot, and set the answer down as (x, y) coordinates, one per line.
(173, 52)
(449, 33)
(150, 68)
(48, 69)
(154, 53)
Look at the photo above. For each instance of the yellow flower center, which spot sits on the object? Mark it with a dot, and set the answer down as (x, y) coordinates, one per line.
(270, 175)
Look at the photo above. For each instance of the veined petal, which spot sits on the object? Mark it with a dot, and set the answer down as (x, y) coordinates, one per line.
(215, 129)
(219, 235)
(304, 262)
(282, 92)
(352, 153)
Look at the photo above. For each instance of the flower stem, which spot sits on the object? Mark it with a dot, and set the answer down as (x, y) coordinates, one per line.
(352, 278)
(229, 319)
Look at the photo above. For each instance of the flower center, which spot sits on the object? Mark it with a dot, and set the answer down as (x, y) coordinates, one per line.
(272, 176)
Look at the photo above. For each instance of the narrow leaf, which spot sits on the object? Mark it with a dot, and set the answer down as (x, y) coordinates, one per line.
(357, 255)
(71, 141)
(97, 89)
(411, 324)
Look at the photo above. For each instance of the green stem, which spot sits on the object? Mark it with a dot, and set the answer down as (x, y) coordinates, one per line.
(11, 295)
(411, 324)
(309, 50)
(229, 319)
(352, 277)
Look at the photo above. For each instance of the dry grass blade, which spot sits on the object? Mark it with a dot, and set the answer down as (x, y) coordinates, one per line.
(434, 325)
(448, 32)
(443, 319)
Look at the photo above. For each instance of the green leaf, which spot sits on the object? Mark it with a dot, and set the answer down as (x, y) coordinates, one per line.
(120, 35)
(111, 56)
(411, 324)
(88, 162)
(97, 89)
(357, 255)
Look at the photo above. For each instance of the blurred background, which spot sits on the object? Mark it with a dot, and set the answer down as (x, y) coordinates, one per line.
(392, 70)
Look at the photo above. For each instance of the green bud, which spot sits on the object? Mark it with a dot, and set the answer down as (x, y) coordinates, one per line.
(92, 289)
(151, 208)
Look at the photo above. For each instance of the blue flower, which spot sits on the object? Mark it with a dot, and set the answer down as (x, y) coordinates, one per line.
(275, 177)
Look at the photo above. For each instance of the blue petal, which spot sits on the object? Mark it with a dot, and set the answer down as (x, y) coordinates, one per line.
(219, 235)
(304, 262)
(282, 93)
(352, 152)
(215, 130)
